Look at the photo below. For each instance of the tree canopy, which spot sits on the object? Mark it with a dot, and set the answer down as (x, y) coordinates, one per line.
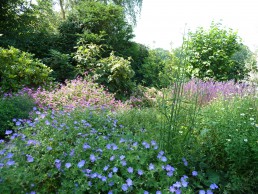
(132, 8)
(211, 53)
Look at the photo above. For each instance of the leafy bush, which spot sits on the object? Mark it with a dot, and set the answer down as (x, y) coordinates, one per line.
(153, 65)
(144, 97)
(211, 54)
(19, 69)
(61, 65)
(75, 93)
(17, 106)
(86, 152)
(228, 134)
(114, 72)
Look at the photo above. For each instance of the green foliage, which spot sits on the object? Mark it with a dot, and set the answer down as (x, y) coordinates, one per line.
(210, 54)
(137, 120)
(132, 8)
(153, 65)
(17, 106)
(144, 97)
(61, 65)
(91, 149)
(114, 72)
(138, 53)
(19, 69)
(227, 134)
(29, 27)
(245, 60)
(172, 69)
(99, 24)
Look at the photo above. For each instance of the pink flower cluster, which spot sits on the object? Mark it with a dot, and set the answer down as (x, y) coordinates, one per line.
(75, 93)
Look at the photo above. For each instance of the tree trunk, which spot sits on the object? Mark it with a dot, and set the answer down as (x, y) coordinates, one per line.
(61, 3)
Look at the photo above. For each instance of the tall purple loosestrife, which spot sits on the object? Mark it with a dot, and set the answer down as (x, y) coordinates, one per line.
(210, 90)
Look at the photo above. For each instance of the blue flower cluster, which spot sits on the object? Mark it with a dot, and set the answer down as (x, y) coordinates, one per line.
(97, 154)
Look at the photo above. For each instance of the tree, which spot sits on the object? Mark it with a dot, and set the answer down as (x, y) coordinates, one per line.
(153, 65)
(245, 61)
(131, 7)
(93, 22)
(211, 53)
(113, 71)
(27, 26)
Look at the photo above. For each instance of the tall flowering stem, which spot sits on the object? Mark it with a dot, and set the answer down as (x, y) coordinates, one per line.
(173, 106)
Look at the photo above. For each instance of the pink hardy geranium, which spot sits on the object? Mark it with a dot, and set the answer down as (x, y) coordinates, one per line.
(76, 93)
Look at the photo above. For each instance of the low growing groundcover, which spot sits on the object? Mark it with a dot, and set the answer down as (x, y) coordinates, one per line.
(88, 151)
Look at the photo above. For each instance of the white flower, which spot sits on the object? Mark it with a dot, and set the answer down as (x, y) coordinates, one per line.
(245, 140)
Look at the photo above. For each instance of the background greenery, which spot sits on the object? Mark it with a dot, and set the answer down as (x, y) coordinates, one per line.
(79, 100)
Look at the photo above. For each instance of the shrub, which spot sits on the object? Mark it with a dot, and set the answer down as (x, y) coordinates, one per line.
(61, 65)
(19, 69)
(14, 106)
(76, 93)
(85, 152)
(114, 72)
(227, 133)
(144, 97)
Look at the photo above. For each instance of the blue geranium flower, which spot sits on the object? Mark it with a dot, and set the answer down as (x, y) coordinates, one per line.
(151, 166)
(213, 186)
(130, 170)
(124, 187)
(30, 158)
(81, 163)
